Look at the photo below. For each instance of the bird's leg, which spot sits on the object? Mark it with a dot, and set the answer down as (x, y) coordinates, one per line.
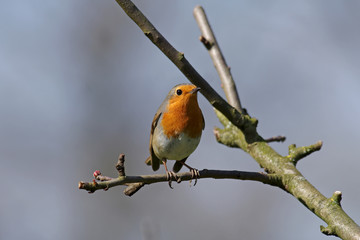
(194, 172)
(169, 174)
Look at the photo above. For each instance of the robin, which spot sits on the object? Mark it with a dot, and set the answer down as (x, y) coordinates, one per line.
(176, 130)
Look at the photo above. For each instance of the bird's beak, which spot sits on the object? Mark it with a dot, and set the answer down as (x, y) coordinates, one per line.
(195, 90)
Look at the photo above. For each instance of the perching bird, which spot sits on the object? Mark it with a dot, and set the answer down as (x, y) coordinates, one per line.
(176, 130)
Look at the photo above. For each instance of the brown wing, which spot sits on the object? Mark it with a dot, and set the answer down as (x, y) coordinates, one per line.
(153, 160)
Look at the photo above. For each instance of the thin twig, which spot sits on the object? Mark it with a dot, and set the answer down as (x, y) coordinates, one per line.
(297, 153)
(275, 139)
(120, 165)
(132, 188)
(209, 40)
(155, 178)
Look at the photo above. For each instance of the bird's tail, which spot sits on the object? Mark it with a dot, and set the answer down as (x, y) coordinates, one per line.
(178, 165)
(155, 164)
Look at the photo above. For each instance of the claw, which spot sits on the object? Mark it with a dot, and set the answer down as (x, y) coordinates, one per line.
(170, 184)
(170, 176)
(195, 174)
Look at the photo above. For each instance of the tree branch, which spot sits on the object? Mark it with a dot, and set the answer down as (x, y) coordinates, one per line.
(209, 40)
(185, 176)
(228, 84)
(136, 182)
(328, 209)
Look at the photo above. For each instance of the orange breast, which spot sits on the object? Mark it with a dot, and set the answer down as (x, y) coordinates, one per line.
(183, 116)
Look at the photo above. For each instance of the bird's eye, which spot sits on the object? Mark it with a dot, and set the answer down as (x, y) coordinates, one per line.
(178, 92)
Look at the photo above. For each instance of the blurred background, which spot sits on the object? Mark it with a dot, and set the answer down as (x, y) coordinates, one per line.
(80, 83)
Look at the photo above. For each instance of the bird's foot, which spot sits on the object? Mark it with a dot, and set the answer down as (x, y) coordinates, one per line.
(170, 175)
(195, 174)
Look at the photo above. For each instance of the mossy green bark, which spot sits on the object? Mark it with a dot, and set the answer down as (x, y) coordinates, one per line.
(290, 179)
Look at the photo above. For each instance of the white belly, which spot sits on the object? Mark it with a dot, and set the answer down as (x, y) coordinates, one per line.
(174, 148)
